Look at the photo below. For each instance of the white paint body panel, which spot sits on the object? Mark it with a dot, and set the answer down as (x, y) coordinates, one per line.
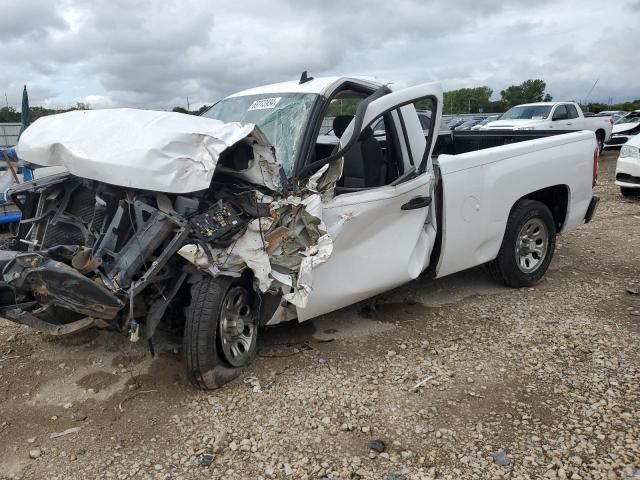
(629, 165)
(161, 151)
(319, 86)
(624, 127)
(377, 246)
(481, 187)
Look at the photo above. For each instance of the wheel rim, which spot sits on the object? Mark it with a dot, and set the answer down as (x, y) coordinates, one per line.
(532, 245)
(237, 326)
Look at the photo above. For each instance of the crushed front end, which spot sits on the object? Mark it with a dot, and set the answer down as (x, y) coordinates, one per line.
(92, 254)
(119, 237)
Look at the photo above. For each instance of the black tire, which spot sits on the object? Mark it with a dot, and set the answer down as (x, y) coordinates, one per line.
(600, 140)
(505, 268)
(630, 192)
(206, 365)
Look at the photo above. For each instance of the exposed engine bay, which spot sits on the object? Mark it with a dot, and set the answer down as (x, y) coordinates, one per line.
(89, 253)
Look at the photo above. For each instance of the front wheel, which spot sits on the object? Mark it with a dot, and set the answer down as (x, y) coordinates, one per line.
(527, 247)
(220, 332)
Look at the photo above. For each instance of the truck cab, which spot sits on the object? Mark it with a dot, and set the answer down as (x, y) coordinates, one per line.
(385, 177)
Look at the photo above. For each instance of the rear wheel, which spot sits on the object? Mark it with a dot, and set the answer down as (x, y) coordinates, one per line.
(220, 332)
(600, 140)
(527, 247)
(630, 192)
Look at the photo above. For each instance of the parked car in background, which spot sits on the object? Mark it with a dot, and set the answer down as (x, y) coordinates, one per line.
(454, 122)
(614, 114)
(470, 122)
(628, 168)
(552, 116)
(490, 118)
(425, 122)
(624, 128)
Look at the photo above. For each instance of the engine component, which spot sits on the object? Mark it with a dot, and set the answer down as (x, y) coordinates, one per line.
(131, 239)
(219, 224)
(84, 262)
(187, 206)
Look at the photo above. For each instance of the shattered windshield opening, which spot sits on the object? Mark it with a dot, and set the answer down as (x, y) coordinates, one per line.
(531, 112)
(280, 116)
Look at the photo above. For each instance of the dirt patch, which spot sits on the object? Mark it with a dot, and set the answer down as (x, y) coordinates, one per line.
(129, 358)
(97, 381)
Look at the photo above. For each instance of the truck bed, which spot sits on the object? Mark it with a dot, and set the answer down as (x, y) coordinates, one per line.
(480, 184)
(458, 142)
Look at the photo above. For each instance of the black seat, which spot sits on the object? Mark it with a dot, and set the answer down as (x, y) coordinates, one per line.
(340, 124)
(364, 163)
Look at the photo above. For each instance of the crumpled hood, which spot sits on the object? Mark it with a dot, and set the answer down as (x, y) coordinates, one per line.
(623, 127)
(160, 151)
(511, 124)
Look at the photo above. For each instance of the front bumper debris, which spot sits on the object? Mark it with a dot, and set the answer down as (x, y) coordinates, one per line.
(55, 283)
(25, 317)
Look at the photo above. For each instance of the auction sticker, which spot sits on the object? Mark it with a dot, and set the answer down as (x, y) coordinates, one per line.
(264, 103)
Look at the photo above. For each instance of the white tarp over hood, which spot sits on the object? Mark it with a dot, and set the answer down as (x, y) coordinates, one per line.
(144, 149)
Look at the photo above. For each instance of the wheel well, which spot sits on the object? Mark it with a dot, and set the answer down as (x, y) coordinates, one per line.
(556, 198)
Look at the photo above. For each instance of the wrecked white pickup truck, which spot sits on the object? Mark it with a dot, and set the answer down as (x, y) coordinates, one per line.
(214, 226)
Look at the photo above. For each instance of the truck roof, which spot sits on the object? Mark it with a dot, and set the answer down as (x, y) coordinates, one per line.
(318, 85)
(541, 103)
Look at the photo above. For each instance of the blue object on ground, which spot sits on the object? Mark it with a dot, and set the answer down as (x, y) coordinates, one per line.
(9, 152)
(27, 175)
(10, 218)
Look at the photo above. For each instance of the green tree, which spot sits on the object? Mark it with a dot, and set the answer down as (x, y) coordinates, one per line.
(528, 91)
(343, 106)
(200, 111)
(9, 115)
(625, 106)
(596, 107)
(468, 100)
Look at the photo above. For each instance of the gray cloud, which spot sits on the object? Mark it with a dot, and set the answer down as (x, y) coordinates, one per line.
(152, 54)
(20, 19)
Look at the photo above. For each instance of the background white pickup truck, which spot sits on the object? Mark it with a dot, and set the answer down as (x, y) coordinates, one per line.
(552, 116)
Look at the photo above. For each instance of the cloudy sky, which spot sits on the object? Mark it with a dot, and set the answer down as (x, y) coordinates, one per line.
(158, 53)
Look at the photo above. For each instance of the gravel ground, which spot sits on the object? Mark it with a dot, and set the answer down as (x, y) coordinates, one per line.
(456, 378)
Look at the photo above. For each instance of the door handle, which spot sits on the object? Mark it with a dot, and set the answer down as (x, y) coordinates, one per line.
(417, 202)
